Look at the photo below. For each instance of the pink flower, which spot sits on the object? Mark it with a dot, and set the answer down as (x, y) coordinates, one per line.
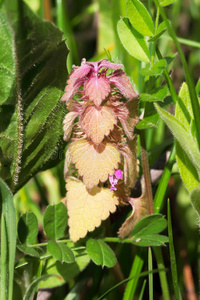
(96, 84)
(114, 179)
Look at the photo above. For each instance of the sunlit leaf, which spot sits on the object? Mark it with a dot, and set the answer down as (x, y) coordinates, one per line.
(87, 208)
(32, 79)
(97, 122)
(132, 40)
(160, 30)
(94, 162)
(183, 136)
(100, 253)
(139, 17)
(166, 2)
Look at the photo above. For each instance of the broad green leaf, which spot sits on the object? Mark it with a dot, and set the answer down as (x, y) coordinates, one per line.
(160, 30)
(28, 250)
(195, 199)
(64, 271)
(139, 17)
(166, 2)
(157, 94)
(150, 225)
(101, 253)
(184, 114)
(183, 136)
(60, 252)
(133, 41)
(32, 79)
(55, 220)
(27, 228)
(157, 69)
(8, 239)
(151, 240)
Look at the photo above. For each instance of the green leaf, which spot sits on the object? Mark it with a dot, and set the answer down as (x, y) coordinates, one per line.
(32, 80)
(60, 252)
(195, 199)
(160, 30)
(183, 137)
(101, 253)
(133, 41)
(55, 220)
(157, 94)
(151, 117)
(156, 70)
(8, 240)
(139, 17)
(64, 271)
(166, 2)
(184, 114)
(27, 228)
(150, 225)
(151, 240)
(28, 250)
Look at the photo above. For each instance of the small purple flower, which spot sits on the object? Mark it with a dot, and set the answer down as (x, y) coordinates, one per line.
(114, 179)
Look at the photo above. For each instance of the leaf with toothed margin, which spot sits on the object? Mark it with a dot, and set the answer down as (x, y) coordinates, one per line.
(32, 79)
(97, 89)
(87, 208)
(94, 162)
(97, 122)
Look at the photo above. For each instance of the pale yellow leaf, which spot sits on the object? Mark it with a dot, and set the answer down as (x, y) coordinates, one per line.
(68, 124)
(97, 122)
(94, 162)
(86, 209)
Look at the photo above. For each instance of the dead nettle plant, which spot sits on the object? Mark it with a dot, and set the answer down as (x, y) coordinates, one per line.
(102, 113)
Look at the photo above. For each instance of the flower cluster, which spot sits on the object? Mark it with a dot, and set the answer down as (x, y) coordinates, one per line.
(102, 107)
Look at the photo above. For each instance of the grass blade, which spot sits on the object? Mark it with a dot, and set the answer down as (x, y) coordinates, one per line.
(150, 268)
(8, 238)
(172, 256)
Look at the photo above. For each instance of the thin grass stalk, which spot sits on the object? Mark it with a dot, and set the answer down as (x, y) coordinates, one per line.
(150, 268)
(172, 256)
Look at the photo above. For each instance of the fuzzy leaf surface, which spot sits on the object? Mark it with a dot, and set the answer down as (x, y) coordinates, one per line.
(184, 114)
(94, 162)
(132, 40)
(97, 122)
(183, 136)
(31, 82)
(87, 208)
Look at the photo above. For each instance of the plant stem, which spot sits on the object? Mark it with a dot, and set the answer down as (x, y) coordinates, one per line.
(189, 80)
(162, 273)
(162, 187)
(150, 268)
(146, 173)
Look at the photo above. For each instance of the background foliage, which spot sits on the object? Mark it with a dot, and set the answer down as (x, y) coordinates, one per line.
(33, 73)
